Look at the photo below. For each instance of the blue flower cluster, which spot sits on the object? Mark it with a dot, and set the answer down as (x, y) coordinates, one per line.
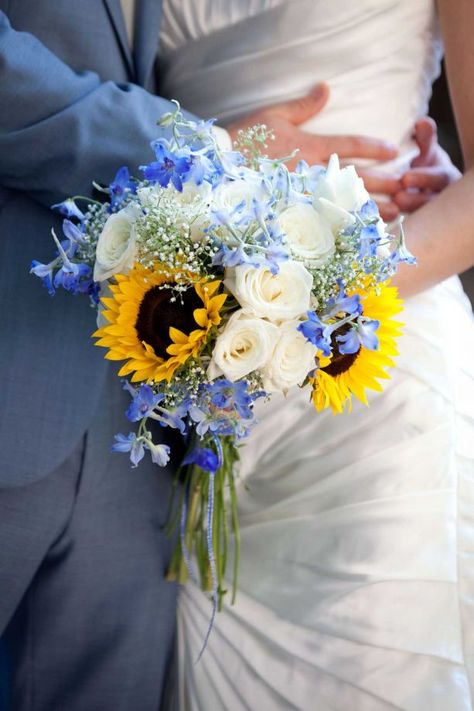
(220, 408)
(342, 312)
(65, 271)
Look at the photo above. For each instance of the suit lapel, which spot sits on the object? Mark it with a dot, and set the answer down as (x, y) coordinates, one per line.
(114, 11)
(147, 27)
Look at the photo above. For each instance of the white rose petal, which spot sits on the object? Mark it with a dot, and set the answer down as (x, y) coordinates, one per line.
(342, 186)
(192, 193)
(291, 361)
(308, 234)
(116, 247)
(339, 192)
(228, 195)
(278, 297)
(245, 345)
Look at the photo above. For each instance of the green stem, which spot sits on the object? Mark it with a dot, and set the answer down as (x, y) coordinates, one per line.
(236, 532)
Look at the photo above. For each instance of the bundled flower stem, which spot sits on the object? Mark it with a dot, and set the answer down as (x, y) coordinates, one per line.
(192, 543)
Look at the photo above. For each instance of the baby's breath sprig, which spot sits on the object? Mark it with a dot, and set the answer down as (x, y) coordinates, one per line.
(252, 142)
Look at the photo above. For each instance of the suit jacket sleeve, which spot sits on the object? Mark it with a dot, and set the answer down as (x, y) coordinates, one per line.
(61, 129)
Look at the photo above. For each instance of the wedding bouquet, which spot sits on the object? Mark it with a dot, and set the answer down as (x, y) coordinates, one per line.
(220, 278)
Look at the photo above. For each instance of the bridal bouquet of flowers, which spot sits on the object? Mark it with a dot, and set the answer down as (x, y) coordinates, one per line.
(222, 277)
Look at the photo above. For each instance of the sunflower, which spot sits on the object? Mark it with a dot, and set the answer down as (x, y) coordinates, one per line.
(153, 328)
(339, 377)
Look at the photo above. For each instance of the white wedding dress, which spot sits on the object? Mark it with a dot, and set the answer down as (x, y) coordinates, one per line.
(357, 574)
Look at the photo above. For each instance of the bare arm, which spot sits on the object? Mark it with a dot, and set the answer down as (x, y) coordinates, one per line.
(441, 233)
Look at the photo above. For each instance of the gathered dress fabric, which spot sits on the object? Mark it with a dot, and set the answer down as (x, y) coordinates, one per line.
(356, 588)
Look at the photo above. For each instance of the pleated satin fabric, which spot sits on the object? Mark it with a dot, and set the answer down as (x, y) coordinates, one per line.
(357, 574)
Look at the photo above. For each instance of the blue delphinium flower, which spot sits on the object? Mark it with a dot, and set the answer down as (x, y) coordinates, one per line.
(223, 408)
(363, 333)
(204, 131)
(369, 241)
(204, 458)
(274, 256)
(200, 168)
(306, 176)
(401, 254)
(317, 332)
(73, 233)
(160, 453)
(228, 257)
(143, 403)
(227, 395)
(343, 303)
(369, 211)
(168, 167)
(73, 277)
(146, 403)
(119, 187)
(45, 273)
(69, 209)
(130, 444)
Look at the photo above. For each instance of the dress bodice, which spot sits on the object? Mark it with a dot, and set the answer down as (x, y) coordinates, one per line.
(379, 58)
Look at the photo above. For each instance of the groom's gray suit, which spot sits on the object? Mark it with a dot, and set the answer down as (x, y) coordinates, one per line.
(86, 616)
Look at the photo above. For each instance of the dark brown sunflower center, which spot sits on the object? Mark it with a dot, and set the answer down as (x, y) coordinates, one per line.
(340, 362)
(161, 308)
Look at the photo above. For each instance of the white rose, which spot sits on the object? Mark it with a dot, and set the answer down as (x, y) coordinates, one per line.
(193, 194)
(281, 296)
(291, 361)
(339, 192)
(228, 195)
(307, 233)
(116, 247)
(246, 344)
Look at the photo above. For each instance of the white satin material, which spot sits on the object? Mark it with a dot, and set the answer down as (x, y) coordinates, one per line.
(379, 58)
(357, 575)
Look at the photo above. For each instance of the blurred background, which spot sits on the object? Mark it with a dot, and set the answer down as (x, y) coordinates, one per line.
(441, 111)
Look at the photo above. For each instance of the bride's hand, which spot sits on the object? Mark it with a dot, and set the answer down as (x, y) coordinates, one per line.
(430, 172)
(286, 119)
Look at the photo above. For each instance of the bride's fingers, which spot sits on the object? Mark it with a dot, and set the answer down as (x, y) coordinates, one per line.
(376, 181)
(411, 201)
(352, 147)
(426, 136)
(389, 211)
(433, 179)
(297, 111)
